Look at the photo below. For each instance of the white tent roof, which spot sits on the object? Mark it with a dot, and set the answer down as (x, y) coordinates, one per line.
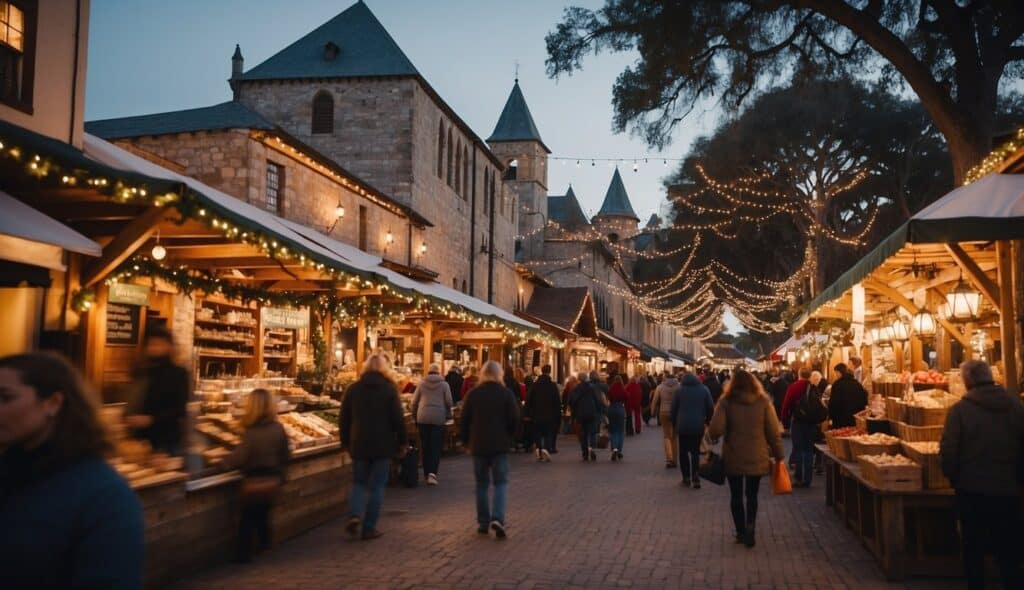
(24, 222)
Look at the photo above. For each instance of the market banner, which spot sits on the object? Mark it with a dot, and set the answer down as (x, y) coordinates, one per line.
(128, 294)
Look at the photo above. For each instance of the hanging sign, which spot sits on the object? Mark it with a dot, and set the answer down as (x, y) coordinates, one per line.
(128, 294)
(288, 319)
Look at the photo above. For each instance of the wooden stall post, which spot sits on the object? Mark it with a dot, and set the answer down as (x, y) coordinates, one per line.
(428, 344)
(1007, 327)
(360, 343)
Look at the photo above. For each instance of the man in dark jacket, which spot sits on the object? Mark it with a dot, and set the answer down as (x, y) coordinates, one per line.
(585, 405)
(779, 385)
(714, 386)
(490, 415)
(544, 408)
(692, 408)
(848, 397)
(982, 449)
(159, 417)
(454, 381)
(372, 428)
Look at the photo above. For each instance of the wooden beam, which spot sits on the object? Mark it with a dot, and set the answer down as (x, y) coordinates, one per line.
(975, 275)
(1007, 319)
(902, 301)
(293, 285)
(218, 251)
(124, 244)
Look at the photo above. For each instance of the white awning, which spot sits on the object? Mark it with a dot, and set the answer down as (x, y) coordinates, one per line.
(29, 237)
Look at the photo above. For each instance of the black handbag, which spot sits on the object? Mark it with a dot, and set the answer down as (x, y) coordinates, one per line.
(712, 468)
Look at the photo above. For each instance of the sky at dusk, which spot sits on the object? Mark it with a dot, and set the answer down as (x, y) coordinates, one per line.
(149, 56)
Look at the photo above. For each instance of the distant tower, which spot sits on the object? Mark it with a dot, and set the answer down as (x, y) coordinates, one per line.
(517, 142)
(237, 62)
(616, 219)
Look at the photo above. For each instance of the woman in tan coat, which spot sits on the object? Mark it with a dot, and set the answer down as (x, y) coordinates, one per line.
(746, 418)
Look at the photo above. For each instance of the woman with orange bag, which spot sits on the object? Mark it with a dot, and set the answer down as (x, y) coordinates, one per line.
(746, 418)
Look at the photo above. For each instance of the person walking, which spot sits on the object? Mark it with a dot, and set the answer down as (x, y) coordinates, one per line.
(714, 385)
(468, 382)
(67, 519)
(981, 452)
(661, 405)
(746, 419)
(432, 408)
(544, 408)
(848, 397)
(645, 398)
(779, 386)
(805, 411)
(372, 429)
(262, 457)
(691, 411)
(454, 380)
(617, 400)
(585, 406)
(158, 416)
(634, 403)
(490, 415)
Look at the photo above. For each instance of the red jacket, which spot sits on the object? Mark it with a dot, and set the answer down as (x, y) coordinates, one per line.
(635, 394)
(467, 384)
(793, 393)
(617, 394)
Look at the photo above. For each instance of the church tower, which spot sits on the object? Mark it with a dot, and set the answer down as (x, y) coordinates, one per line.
(517, 143)
(616, 220)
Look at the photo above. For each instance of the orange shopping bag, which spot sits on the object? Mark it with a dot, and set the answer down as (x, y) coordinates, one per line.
(780, 479)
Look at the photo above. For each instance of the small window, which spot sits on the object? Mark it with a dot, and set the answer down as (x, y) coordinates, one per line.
(483, 193)
(464, 286)
(440, 149)
(17, 53)
(458, 168)
(323, 113)
(449, 178)
(512, 171)
(455, 283)
(465, 172)
(362, 228)
(275, 187)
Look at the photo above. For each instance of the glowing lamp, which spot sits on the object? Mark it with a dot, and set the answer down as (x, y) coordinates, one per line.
(158, 252)
(963, 302)
(924, 324)
(339, 211)
(900, 330)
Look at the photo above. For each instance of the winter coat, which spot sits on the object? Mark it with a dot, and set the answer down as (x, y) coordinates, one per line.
(793, 394)
(164, 397)
(432, 401)
(617, 394)
(751, 430)
(714, 386)
(634, 394)
(264, 451)
(982, 447)
(661, 404)
(75, 526)
(848, 397)
(692, 407)
(543, 403)
(585, 402)
(778, 392)
(454, 381)
(490, 417)
(371, 422)
(467, 384)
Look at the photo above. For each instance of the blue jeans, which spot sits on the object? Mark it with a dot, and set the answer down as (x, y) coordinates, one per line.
(803, 435)
(617, 426)
(487, 469)
(369, 476)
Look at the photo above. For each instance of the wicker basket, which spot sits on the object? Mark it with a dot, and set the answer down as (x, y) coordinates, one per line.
(931, 468)
(861, 419)
(911, 433)
(840, 446)
(917, 416)
(895, 409)
(888, 389)
(858, 448)
(892, 478)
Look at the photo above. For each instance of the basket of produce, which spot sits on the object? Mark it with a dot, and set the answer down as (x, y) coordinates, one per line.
(893, 473)
(926, 454)
(873, 444)
(911, 433)
(928, 408)
(895, 409)
(838, 442)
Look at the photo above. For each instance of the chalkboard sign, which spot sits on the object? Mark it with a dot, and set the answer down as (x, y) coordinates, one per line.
(122, 324)
(449, 351)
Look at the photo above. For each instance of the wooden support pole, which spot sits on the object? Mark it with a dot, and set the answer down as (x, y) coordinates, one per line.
(360, 344)
(428, 344)
(975, 275)
(1007, 318)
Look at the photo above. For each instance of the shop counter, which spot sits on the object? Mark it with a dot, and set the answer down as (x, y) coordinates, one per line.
(908, 533)
(191, 525)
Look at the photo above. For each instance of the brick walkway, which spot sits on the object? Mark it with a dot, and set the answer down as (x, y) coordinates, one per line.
(576, 525)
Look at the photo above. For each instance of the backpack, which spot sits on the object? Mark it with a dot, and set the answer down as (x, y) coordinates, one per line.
(810, 408)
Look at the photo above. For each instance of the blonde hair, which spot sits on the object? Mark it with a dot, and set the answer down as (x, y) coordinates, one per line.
(377, 363)
(434, 368)
(492, 371)
(259, 407)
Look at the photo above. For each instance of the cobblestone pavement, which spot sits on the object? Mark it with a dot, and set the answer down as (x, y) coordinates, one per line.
(576, 525)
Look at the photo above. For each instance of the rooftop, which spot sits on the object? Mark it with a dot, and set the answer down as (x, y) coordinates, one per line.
(566, 211)
(226, 115)
(616, 200)
(516, 122)
(569, 308)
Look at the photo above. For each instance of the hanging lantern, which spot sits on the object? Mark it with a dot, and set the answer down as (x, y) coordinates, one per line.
(924, 324)
(963, 302)
(943, 311)
(875, 335)
(900, 330)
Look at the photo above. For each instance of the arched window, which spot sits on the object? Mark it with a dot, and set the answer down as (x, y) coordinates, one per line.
(483, 191)
(512, 170)
(323, 113)
(449, 181)
(464, 285)
(440, 148)
(455, 283)
(458, 167)
(465, 171)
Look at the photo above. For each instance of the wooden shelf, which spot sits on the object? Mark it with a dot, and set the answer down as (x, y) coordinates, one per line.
(250, 327)
(224, 355)
(226, 340)
(277, 356)
(225, 303)
(279, 332)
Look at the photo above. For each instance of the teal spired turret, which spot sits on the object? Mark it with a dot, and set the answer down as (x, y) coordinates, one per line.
(517, 142)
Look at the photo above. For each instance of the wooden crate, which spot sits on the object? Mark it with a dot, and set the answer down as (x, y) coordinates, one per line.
(889, 389)
(842, 448)
(858, 448)
(917, 416)
(931, 468)
(912, 433)
(892, 478)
